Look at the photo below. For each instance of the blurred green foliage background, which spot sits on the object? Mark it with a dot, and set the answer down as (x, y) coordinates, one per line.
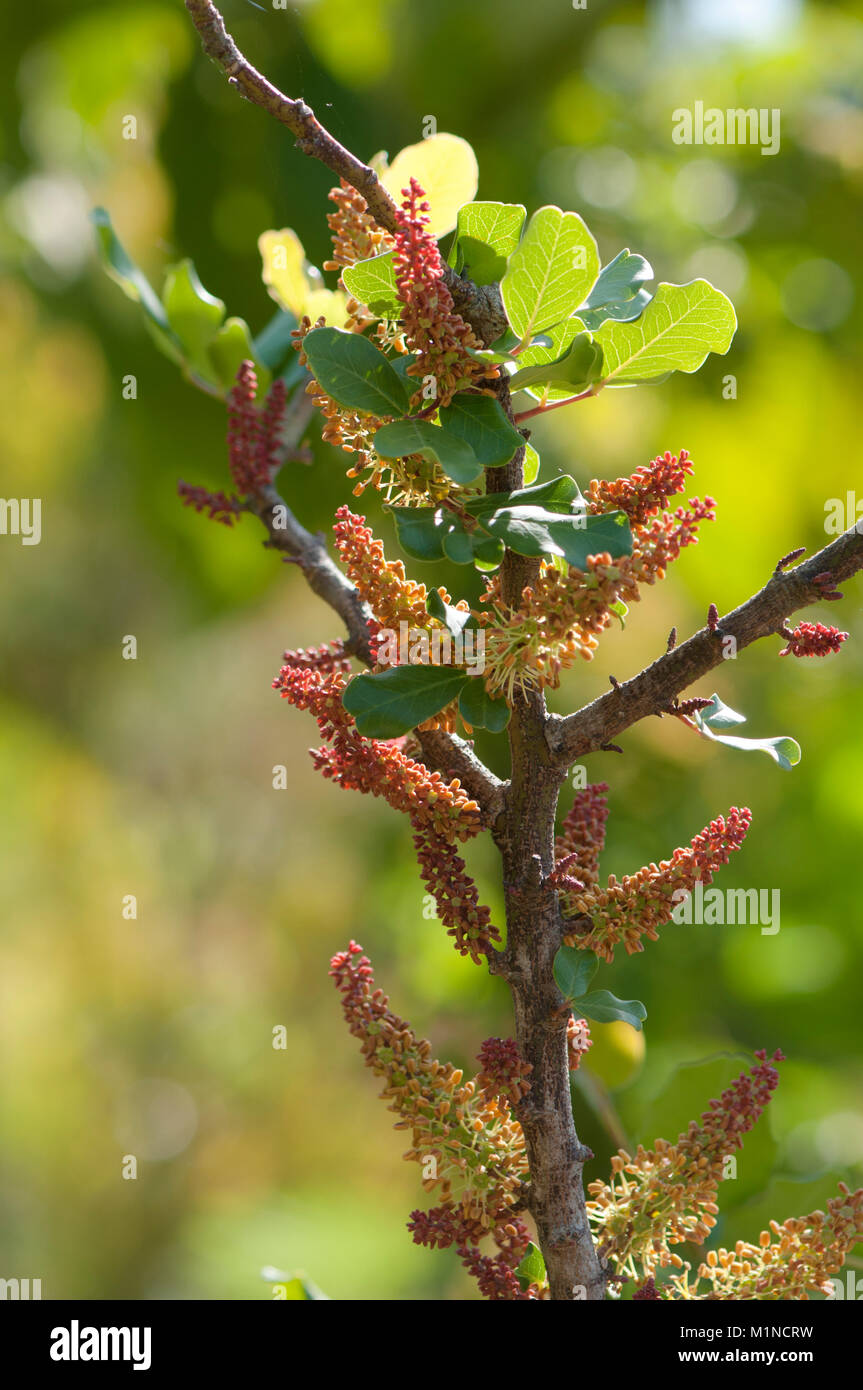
(154, 777)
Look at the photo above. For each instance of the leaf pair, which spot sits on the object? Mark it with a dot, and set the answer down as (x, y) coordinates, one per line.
(573, 972)
(188, 323)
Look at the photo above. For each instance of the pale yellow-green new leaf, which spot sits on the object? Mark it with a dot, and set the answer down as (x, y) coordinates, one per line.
(295, 284)
(445, 166)
(679, 327)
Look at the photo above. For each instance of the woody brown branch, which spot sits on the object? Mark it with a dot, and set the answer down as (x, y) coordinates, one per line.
(654, 689)
(481, 306)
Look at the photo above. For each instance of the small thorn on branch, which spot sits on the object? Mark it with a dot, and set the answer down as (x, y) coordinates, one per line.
(615, 682)
(610, 748)
(672, 640)
(787, 559)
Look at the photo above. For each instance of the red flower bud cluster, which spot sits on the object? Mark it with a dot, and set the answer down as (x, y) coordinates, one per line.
(433, 330)
(253, 445)
(813, 639)
(218, 505)
(253, 431)
(467, 920)
(583, 830)
(502, 1071)
(641, 903)
(328, 658)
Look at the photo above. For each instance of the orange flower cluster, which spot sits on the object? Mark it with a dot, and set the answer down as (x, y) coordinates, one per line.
(468, 1143)
(378, 768)
(583, 831)
(356, 235)
(382, 583)
(438, 335)
(344, 429)
(562, 615)
(667, 1195)
(328, 658)
(578, 1040)
(790, 1261)
(645, 492)
(641, 903)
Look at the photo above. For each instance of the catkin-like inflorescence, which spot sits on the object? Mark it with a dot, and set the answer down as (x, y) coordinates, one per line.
(583, 831)
(634, 909)
(470, 1146)
(813, 639)
(562, 615)
(792, 1260)
(667, 1195)
(433, 330)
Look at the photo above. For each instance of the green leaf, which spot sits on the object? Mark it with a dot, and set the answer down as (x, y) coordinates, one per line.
(560, 494)
(391, 703)
(537, 532)
(231, 346)
(550, 272)
(531, 464)
(194, 314)
(373, 283)
(429, 533)
(603, 1007)
(404, 437)
(478, 709)
(618, 293)
(783, 750)
(354, 372)
(481, 423)
(134, 283)
(453, 619)
(274, 345)
(679, 327)
(577, 369)
(486, 235)
(574, 970)
(531, 1270)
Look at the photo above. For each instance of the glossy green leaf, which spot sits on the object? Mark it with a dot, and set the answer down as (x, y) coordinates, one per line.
(679, 327)
(531, 1270)
(454, 619)
(433, 442)
(194, 314)
(481, 423)
(274, 345)
(603, 1007)
(538, 532)
(134, 283)
(577, 369)
(619, 292)
(478, 709)
(354, 372)
(783, 750)
(373, 283)
(560, 494)
(574, 970)
(231, 346)
(486, 235)
(391, 703)
(550, 271)
(531, 464)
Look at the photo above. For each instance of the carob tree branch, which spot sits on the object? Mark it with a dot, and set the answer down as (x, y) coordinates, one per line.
(479, 305)
(654, 689)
